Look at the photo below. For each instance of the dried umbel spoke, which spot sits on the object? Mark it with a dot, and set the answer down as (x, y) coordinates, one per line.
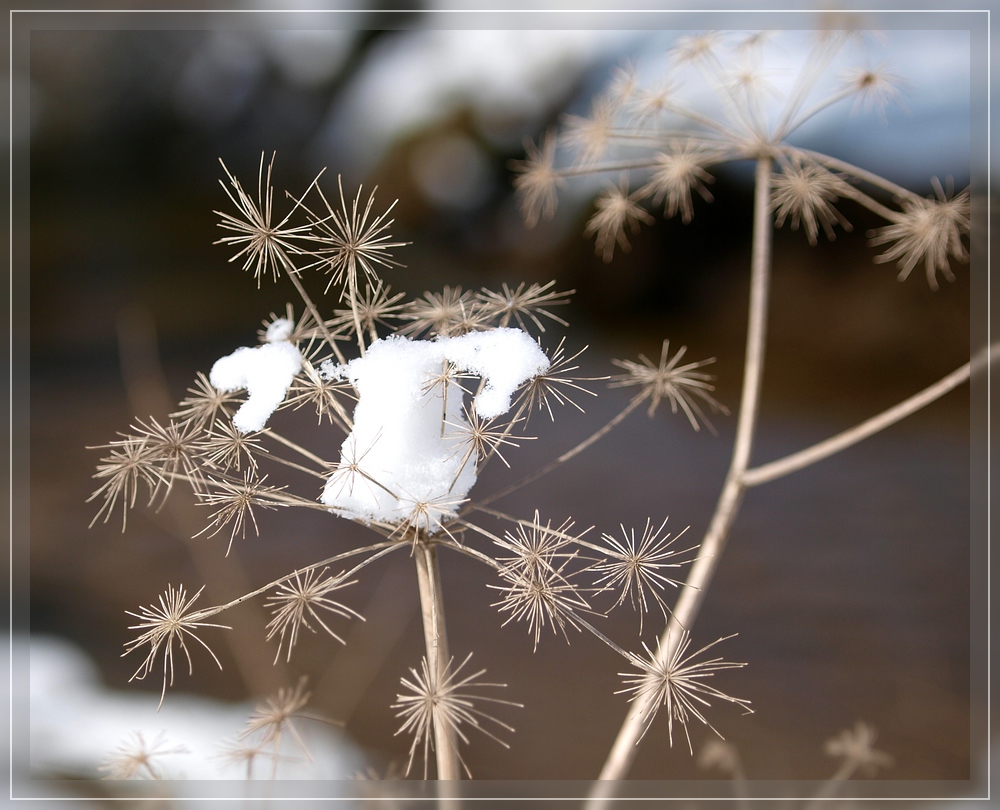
(206, 403)
(448, 314)
(262, 244)
(930, 230)
(805, 192)
(163, 626)
(236, 500)
(677, 681)
(616, 210)
(635, 566)
(537, 180)
(675, 383)
(555, 384)
(129, 462)
(227, 448)
(298, 602)
(353, 241)
(523, 304)
(447, 700)
(135, 758)
(857, 748)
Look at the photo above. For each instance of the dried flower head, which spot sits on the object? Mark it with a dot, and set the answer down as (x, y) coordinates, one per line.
(676, 172)
(804, 192)
(554, 384)
(856, 747)
(134, 757)
(299, 599)
(448, 313)
(351, 242)
(635, 566)
(434, 700)
(521, 304)
(677, 384)
(538, 581)
(591, 136)
(206, 403)
(162, 626)
(537, 180)
(236, 500)
(227, 448)
(931, 230)
(676, 680)
(129, 463)
(264, 244)
(616, 210)
(270, 720)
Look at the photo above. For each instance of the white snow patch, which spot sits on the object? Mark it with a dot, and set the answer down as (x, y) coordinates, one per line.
(265, 372)
(397, 454)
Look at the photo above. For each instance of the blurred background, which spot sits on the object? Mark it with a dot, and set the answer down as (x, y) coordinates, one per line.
(848, 583)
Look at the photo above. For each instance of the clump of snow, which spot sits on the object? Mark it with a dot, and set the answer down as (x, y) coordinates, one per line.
(265, 372)
(279, 329)
(399, 453)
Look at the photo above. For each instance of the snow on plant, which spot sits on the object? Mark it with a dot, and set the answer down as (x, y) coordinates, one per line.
(422, 408)
(716, 104)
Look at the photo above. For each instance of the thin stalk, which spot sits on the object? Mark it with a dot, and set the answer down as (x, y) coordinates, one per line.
(633, 404)
(293, 274)
(817, 452)
(436, 642)
(693, 593)
(297, 448)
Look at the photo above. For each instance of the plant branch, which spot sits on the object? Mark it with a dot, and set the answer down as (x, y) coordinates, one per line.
(817, 452)
(436, 641)
(693, 593)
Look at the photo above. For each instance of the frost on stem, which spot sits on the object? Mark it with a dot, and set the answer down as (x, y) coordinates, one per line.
(401, 452)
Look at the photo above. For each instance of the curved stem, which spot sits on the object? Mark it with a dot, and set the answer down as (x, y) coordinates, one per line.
(436, 641)
(693, 593)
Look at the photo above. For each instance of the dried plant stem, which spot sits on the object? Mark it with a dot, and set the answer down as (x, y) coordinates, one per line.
(293, 274)
(823, 449)
(689, 601)
(297, 448)
(436, 641)
(615, 421)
